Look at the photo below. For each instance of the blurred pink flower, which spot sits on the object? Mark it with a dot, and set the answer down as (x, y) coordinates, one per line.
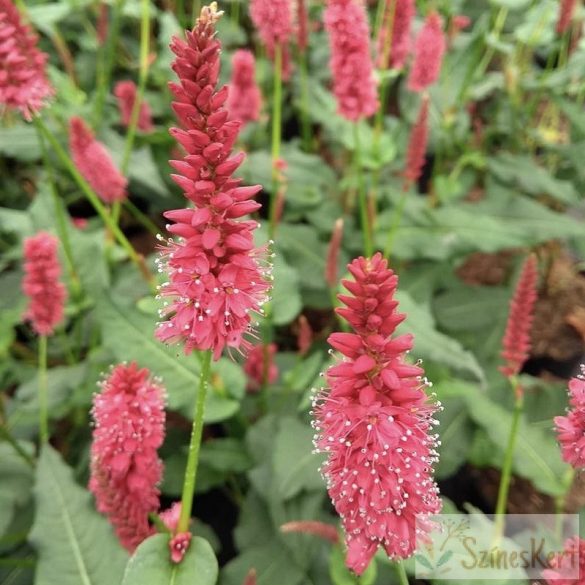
(255, 367)
(374, 424)
(302, 25)
(304, 335)
(570, 562)
(351, 64)
(417, 146)
(216, 280)
(333, 254)
(571, 428)
(429, 49)
(245, 100)
(125, 91)
(566, 11)
(23, 80)
(41, 284)
(516, 342)
(129, 422)
(95, 164)
(401, 14)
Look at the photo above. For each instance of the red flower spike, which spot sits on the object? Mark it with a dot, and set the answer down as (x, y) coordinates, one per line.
(571, 428)
(566, 11)
(399, 14)
(245, 100)
(126, 91)
(254, 367)
(417, 146)
(129, 421)
(41, 283)
(374, 424)
(95, 164)
(325, 531)
(354, 85)
(516, 342)
(570, 561)
(215, 278)
(429, 49)
(23, 80)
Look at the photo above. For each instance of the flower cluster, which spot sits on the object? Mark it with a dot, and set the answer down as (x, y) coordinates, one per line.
(429, 49)
(417, 146)
(257, 369)
(41, 283)
(126, 91)
(245, 99)
(125, 469)
(571, 428)
(374, 424)
(569, 562)
(216, 281)
(398, 17)
(516, 343)
(23, 81)
(351, 64)
(94, 163)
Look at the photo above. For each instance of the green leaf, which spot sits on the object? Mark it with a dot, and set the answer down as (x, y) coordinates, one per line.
(286, 297)
(536, 456)
(226, 455)
(75, 545)
(129, 335)
(432, 345)
(20, 141)
(151, 564)
(295, 465)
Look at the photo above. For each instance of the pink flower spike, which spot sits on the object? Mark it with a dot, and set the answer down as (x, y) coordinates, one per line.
(255, 366)
(571, 560)
(95, 164)
(217, 278)
(429, 49)
(245, 100)
(354, 84)
(399, 14)
(41, 283)
(302, 25)
(571, 428)
(417, 146)
(126, 91)
(566, 11)
(374, 424)
(23, 80)
(333, 254)
(516, 342)
(129, 421)
(304, 335)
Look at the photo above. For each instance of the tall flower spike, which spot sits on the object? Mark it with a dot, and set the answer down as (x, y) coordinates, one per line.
(429, 49)
(125, 91)
(399, 14)
(417, 146)
(216, 281)
(516, 341)
(94, 162)
(274, 23)
(23, 80)
(571, 428)
(245, 99)
(566, 11)
(125, 469)
(354, 85)
(374, 424)
(41, 283)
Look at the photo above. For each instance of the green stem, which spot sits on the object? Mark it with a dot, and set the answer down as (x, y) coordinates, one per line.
(160, 526)
(305, 119)
(5, 434)
(195, 12)
(62, 229)
(108, 64)
(363, 202)
(276, 136)
(94, 200)
(236, 11)
(43, 404)
(194, 445)
(507, 465)
(396, 221)
(141, 217)
(401, 572)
